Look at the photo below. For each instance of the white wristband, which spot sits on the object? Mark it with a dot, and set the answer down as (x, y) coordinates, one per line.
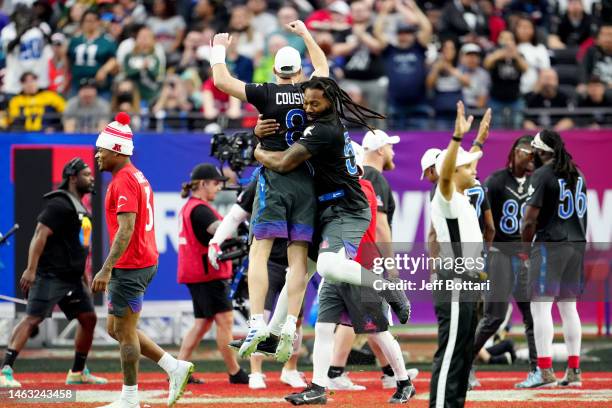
(217, 55)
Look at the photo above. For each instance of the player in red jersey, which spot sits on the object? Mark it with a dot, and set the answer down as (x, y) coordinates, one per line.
(131, 263)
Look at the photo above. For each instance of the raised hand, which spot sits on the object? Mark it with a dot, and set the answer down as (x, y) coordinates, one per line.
(223, 39)
(483, 129)
(462, 125)
(297, 27)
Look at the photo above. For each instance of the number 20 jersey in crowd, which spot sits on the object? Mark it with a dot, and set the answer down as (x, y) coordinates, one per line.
(130, 192)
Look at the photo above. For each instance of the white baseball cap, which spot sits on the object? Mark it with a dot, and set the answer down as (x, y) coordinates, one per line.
(463, 158)
(287, 61)
(377, 139)
(359, 155)
(429, 159)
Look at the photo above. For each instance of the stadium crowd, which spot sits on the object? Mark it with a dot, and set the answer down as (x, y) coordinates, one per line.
(72, 64)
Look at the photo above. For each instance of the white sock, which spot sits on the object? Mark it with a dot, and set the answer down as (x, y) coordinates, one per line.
(322, 352)
(168, 363)
(543, 328)
(297, 343)
(572, 329)
(257, 320)
(129, 393)
(393, 352)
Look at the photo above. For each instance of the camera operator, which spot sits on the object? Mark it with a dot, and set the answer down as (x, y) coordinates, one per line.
(209, 286)
(277, 271)
(25, 43)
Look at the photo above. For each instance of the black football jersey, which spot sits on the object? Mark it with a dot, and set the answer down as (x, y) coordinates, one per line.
(336, 175)
(480, 202)
(283, 103)
(563, 209)
(508, 197)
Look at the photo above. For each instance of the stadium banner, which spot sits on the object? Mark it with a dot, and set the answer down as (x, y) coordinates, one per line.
(167, 159)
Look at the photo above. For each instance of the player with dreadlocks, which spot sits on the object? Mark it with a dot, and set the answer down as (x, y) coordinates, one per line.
(507, 193)
(554, 225)
(343, 210)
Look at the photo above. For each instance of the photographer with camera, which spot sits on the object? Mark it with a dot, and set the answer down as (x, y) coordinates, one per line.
(209, 286)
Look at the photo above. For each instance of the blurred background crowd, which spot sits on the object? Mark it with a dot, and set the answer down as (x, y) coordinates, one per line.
(69, 65)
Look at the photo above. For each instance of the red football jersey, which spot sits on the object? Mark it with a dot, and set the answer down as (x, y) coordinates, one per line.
(130, 192)
(367, 248)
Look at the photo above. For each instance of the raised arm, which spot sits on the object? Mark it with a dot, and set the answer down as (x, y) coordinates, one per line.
(222, 78)
(285, 161)
(317, 56)
(483, 134)
(462, 126)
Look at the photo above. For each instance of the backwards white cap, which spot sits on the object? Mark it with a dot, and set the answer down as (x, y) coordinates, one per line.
(376, 139)
(429, 159)
(287, 61)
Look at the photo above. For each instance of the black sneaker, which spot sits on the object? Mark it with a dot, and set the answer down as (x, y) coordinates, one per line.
(194, 380)
(398, 301)
(241, 377)
(266, 347)
(403, 393)
(311, 395)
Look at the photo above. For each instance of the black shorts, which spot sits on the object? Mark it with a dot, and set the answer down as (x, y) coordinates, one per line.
(277, 274)
(360, 307)
(210, 298)
(556, 270)
(343, 229)
(73, 298)
(127, 288)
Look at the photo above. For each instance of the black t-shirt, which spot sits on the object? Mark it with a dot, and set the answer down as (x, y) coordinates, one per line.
(362, 64)
(595, 117)
(283, 103)
(507, 197)
(66, 250)
(505, 80)
(384, 195)
(563, 209)
(201, 218)
(279, 248)
(538, 101)
(336, 176)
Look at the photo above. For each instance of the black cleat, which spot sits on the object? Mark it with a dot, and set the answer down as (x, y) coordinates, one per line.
(398, 301)
(403, 393)
(311, 395)
(241, 377)
(194, 380)
(266, 347)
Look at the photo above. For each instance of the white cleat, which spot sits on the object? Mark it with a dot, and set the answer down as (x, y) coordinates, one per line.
(388, 381)
(412, 373)
(344, 383)
(293, 378)
(255, 336)
(178, 381)
(6, 378)
(257, 381)
(121, 404)
(285, 342)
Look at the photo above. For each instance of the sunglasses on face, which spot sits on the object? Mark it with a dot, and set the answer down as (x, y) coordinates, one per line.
(526, 151)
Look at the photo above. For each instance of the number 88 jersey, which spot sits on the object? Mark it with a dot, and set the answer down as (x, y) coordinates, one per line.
(130, 192)
(507, 198)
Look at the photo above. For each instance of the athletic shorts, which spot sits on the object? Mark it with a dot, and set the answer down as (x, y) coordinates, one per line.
(557, 270)
(285, 206)
(362, 308)
(343, 229)
(210, 298)
(277, 274)
(73, 298)
(127, 288)
(507, 276)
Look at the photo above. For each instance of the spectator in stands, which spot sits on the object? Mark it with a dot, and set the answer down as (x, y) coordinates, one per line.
(286, 15)
(26, 49)
(71, 25)
(495, 19)
(239, 65)
(189, 57)
(535, 54)
(173, 105)
(134, 11)
(86, 112)
(547, 95)
(168, 27)
(534, 10)
(216, 103)
(250, 42)
(598, 59)
(476, 93)
(263, 21)
(506, 66)
(92, 54)
(126, 98)
(574, 28)
(264, 71)
(334, 17)
(406, 69)
(208, 13)
(445, 82)
(129, 42)
(59, 69)
(34, 110)
(144, 67)
(361, 47)
(596, 97)
(192, 83)
(464, 21)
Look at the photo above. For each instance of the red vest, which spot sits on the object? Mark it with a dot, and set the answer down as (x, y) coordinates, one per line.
(193, 264)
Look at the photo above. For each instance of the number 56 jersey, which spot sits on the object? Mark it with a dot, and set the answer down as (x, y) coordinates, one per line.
(130, 192)
(563, 207)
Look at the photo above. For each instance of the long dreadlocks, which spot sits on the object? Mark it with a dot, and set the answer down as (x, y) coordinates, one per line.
(525, 139)
(563, 164)
(341, 102)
